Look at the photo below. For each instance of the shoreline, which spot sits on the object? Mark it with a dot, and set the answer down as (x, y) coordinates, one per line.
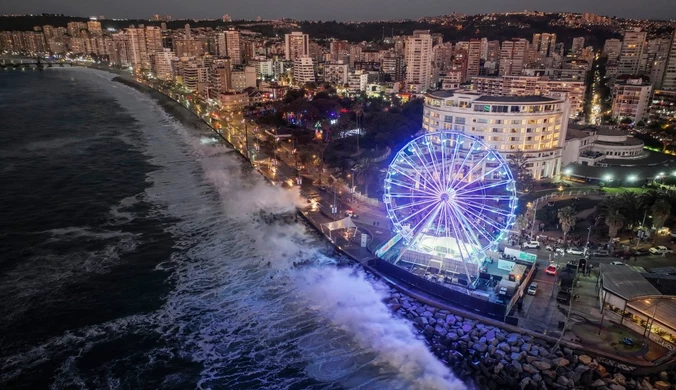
(460, 340)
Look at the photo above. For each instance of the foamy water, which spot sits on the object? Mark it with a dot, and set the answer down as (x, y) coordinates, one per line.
(238, 308)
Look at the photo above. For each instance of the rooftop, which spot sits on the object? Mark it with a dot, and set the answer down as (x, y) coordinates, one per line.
(610, 132)
(664, 309)
(573, 134)
(630, 141)
(441, 94)
(625, 282)
(515, 99)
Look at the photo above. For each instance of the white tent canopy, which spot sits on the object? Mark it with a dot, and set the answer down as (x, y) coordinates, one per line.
(345, 223)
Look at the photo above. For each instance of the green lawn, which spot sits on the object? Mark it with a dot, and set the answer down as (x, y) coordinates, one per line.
(617, 190)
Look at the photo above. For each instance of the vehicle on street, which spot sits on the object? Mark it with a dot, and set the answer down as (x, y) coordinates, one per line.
(575, 251)
(660, 250)
(350, 213)
(617, 263)
(640, 252)
(555, 249)
(531, 245)
(563, 297)
(532, 289)
(602, 253)
(551, 270)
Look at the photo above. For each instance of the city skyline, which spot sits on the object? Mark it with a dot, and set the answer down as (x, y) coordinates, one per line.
(350, 10)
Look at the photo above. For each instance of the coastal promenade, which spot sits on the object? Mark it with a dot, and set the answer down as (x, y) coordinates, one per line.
(323, 199)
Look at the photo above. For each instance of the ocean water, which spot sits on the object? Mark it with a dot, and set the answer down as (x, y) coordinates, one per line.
(131, 258)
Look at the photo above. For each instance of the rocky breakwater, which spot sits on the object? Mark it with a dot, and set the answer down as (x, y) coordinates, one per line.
(492, 358)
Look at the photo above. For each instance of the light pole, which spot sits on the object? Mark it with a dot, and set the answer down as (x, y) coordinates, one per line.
(535, 209)
(588, 235)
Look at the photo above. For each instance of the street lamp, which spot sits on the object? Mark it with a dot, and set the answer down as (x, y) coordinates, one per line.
(567, 172)
(608, 177)
(631, 178)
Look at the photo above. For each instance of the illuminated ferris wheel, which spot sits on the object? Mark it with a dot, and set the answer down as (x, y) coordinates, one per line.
(449, 195)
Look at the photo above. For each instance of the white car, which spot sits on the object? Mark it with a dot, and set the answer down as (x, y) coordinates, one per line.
(558, 250)
(531, 245)
(616, 263)
(576, 251)
(660, 250)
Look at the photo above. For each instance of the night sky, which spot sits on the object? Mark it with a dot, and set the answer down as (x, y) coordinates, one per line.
(333, 9)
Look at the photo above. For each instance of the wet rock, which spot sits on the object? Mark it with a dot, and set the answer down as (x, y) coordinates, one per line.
(530, 369)
(420, 321)
(563, 381)
(581, 369)
(541, 365)
(598, 383)
(481, 347)
(504, 347)
(620, 379)
(525, 347)
(662, 385)
(516, 356)
(517, 366)
(524, 383)
(450, 319)
(614, 386)
(498, 368)
(439, 331)
(601, 371)
(573, 376)
(427, 314)
(466, 328)
(549, 373)
(536, 377)
(585, 359)
(561, 362)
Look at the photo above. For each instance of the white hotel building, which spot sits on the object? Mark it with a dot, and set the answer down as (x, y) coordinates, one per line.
(535, 124)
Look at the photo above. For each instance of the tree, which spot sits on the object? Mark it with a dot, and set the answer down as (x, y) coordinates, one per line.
(566, 219)
(630, 204)
(661, 211)
(610, 212)
(518, 164)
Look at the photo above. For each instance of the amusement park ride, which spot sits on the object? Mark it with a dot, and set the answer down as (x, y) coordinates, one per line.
(451, 199)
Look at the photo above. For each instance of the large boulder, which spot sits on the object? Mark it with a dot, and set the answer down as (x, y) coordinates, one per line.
(504, 347)
(598, 383)
(540, 365)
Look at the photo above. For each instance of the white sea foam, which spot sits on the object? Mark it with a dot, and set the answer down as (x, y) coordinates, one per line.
(239, 308)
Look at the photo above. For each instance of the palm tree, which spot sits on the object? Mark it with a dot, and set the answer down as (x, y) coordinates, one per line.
(615, 221)
(630, 204)
(661, 210)
(566, 219)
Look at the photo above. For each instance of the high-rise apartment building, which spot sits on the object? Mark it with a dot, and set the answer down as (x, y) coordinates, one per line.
(474, 58)
(532, 85)
(633, 43)
(233, 44)
(578, 45)
(339, 50)
(220, 80)
(669, 79)
(512, 56)
(419, 60)
(75, 28)
(138, 52)
(243, 77)
(393, 65)
(303, 70)
(162, 66)
(296, 45)
(336, 73)
(612, 48)
(154, 40)
(94, 28)
(631, 99)
(544, 44)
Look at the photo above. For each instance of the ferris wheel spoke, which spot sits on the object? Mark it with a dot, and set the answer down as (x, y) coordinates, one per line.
(433, 158)
(425, 221)
(469, 172)
(410, 205)
(483, 217)
(398, 170)
(410, 195)
(417, 212)
(451, 178)
(469, 239)
(489, 238)
(482, 188)
(479, 178)
(412, 164)
(464, 160)
(496, 198)
(482, 206)
(424, 165)
(406, 186)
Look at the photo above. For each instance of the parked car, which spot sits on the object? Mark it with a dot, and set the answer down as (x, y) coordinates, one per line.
(602, 253)
(563, 297)
(617, 263)
(350, 213)
(575, 251)
(531, 245)
(555, 249)
(640, 252)
(660, 250)
(551, 270)
(533, 288)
